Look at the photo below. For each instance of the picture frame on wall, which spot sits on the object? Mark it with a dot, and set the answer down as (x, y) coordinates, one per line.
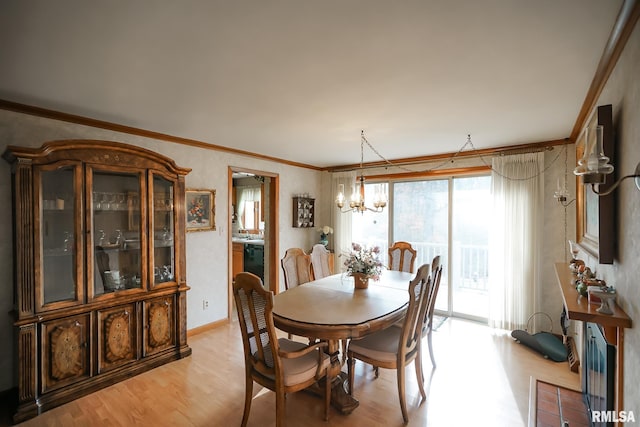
(200, 210)
(596, 214)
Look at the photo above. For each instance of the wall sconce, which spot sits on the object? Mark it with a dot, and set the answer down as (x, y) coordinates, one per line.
(594, 166)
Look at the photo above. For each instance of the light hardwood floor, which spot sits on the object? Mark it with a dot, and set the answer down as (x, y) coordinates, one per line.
(482, 379)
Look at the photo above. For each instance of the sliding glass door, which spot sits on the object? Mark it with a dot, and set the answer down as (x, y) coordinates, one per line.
(447, 217)
(470, 219)
(421, 217)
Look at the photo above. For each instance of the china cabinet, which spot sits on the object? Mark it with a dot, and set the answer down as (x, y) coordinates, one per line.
(303, 212)
(99, 263)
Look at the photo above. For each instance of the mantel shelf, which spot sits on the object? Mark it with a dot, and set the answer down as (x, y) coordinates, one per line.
(613, 325)
(578, 307)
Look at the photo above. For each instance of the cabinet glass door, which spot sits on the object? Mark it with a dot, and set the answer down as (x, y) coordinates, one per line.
(163, 231)
(116, 245)
(59, 233)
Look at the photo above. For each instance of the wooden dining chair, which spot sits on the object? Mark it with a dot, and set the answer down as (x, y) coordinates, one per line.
(281, 365)
(402, 257)
(395, 348)
(296, 265)
(321, 265)
(427, 321)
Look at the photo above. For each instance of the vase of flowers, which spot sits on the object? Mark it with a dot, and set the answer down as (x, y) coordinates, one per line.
(324, 234)
(196, 210)
(360, 280)
(363, 264)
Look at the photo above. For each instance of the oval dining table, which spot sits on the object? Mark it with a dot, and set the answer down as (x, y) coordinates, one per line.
(331, 309)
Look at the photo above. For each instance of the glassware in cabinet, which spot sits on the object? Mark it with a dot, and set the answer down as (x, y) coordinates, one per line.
(163, 230)
(58, 237)
(116, 223)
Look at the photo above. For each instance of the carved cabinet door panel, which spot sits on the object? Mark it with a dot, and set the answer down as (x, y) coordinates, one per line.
(117, 337)
(65, 359)
(159, 324)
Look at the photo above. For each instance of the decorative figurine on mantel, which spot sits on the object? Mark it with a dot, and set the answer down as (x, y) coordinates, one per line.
(575, 263)
(584, 276)
(608, 298)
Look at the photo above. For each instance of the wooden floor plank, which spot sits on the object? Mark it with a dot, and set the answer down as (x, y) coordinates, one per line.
(482, 379)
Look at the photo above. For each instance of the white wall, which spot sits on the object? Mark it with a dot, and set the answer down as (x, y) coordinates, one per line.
(555, 234)
(207, 252)
(623, 93)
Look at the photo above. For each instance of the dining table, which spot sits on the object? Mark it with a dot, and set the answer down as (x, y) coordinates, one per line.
(331, 309)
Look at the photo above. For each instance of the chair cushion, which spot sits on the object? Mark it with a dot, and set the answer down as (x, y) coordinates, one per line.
(303, 368)
(381, 345)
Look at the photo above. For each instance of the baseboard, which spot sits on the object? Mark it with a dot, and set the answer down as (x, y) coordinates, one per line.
(207, 327)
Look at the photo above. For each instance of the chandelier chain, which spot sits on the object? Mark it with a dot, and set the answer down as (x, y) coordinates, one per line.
(468, 143)
(564, 195)
(406, 169)
(564, 241)
(566, 168)
(546, 168)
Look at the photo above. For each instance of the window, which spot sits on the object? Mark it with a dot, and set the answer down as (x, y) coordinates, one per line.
(249, 207)
(446, 217)
(251, 215)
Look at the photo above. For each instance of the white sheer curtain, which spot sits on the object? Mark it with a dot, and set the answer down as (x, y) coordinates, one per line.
(516, 238)
(341, 221)
(246, 194)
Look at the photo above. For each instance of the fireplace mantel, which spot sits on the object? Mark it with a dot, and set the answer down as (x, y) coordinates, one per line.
(578, 308)
(613, 325)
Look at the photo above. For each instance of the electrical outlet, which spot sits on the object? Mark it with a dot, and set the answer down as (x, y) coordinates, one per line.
(205, 304)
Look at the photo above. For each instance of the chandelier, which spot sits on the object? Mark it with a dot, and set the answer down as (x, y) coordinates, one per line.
(357, 201)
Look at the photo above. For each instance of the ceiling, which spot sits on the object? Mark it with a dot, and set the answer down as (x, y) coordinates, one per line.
(298, 80)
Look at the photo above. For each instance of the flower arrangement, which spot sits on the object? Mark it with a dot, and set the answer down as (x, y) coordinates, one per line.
(196, 210)
(325, 231)
(364, 260)
(324, 234)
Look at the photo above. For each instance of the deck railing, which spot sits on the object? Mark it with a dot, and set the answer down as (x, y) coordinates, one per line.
(471, 269)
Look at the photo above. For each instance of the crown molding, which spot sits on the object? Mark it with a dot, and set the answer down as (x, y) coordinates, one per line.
(622, 29)
(86, 121)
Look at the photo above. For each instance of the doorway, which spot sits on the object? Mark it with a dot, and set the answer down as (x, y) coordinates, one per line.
(253, 226)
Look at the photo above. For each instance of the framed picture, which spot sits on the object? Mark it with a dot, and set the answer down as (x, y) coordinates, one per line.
(200, 210)
(596, 215)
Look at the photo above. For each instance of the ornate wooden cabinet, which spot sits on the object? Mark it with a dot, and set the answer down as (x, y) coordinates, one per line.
(100, 287)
